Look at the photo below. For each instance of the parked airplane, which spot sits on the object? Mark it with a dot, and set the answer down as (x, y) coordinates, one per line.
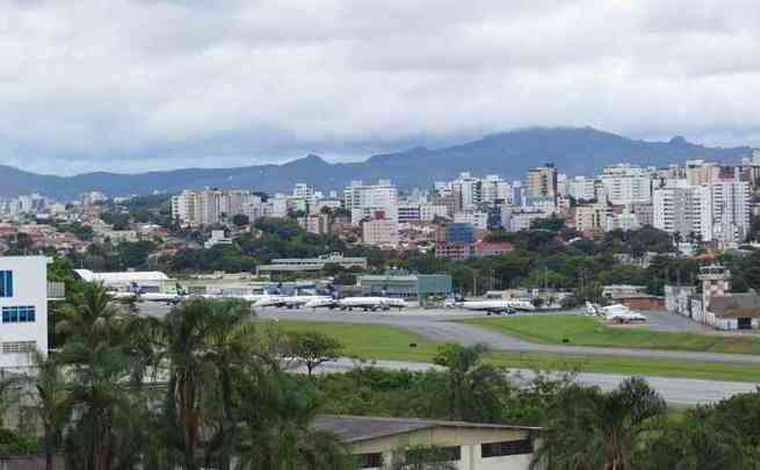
(496, 306)
(168, 298)
(621, 314)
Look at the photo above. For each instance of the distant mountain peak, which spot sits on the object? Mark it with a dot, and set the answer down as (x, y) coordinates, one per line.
(574, 150)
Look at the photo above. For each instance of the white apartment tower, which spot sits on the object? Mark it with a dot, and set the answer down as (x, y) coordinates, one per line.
(206, 207)
(625, 184)
(730, 211)
(367, 200)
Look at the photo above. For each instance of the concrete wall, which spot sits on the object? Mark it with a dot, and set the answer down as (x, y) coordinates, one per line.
(470, 440)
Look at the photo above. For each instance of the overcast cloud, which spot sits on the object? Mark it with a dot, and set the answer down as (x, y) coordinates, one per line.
(137, 85)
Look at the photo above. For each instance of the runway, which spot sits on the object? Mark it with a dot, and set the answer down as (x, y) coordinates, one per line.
(437, 325)
(677, 392)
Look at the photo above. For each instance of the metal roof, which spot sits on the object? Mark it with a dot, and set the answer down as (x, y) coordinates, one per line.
(352, 429)
(127, 276)
(736, 306)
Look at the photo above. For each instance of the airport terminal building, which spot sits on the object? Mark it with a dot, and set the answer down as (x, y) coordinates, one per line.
(415, 286)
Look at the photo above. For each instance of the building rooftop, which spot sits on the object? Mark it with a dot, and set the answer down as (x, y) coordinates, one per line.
(127, 276)
(352, 429)
(736, 306)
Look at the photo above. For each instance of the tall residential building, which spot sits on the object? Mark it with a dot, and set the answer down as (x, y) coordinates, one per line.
(207, 207)
(731, 211)
(368, 200)
(581, 188)
(685, 211)
(493, 189)
(541, 183)
(626, 184)
(591, 218)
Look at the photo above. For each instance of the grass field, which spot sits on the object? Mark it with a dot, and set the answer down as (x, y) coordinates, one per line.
(390, 343)
(589, 331)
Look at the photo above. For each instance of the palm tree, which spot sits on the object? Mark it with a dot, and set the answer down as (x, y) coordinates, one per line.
(474, 390)
(49, 393)
(277, 412)
(101, 368)
(205, 342)
(591, 430)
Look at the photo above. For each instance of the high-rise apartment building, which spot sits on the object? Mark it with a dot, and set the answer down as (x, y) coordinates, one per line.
(541, 183)
(730, 211)
(368, 200)
(207, 207)
(626, 184)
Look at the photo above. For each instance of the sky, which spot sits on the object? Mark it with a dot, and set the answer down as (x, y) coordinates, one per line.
(138, 85)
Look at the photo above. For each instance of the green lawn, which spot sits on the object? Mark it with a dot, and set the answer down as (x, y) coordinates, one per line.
(391, 343)
(589, 331)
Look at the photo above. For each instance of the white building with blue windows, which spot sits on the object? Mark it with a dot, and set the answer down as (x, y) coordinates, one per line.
(23, 309)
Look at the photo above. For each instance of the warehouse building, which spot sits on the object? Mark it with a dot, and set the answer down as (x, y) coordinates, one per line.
(397, 442)
(416, 286)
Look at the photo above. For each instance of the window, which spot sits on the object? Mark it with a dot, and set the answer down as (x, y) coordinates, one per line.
(16, 347)
(499, 449)
(374, 460)
(433, 455)
(23, 314)
(6, 283)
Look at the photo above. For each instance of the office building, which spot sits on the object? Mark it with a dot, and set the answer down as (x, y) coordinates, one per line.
(415, 286)
(312, 264)
(24, 307)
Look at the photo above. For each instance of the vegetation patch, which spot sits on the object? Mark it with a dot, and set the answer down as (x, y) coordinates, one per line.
(589, 331)
(384, 342)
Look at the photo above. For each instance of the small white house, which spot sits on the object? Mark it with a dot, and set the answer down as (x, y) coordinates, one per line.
(23, 309)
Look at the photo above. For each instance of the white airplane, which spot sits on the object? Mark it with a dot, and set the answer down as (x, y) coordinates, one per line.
(621, 314)
(269, 301)
(168, 298)
(298, 301)
(496, 306)
(325, 302)
(371, 303)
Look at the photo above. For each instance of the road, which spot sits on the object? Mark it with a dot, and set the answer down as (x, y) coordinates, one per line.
(678, 392)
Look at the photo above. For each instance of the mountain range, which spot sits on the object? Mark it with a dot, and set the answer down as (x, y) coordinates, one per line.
(575, 151)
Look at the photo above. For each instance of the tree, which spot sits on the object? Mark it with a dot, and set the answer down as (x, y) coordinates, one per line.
(50, 398)
(474, 390)
(278, 413)
(205, 342)
(314, 348)
(596, 430)
(101, 373)
(241, 220)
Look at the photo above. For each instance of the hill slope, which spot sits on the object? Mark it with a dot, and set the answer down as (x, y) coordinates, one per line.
(573, 150)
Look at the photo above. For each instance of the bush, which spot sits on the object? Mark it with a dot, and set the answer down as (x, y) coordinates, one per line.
(13, 443)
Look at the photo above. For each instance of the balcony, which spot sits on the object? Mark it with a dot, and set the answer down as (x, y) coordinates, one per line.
(56, 291)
